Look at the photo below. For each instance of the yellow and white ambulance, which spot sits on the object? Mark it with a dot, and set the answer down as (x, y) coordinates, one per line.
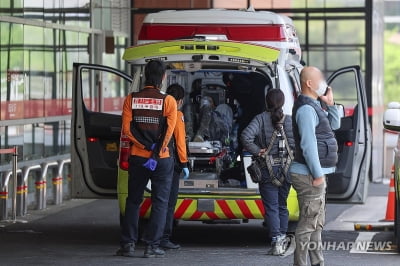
(202, 48)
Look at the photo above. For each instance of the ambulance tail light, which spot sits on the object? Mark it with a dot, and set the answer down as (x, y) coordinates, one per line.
(235, 32)
(124, 152)
(348, 143)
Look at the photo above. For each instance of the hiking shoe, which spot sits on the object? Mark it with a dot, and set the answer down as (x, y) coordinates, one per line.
(126, 250)
(169, 245)
(153, 252)
(278, 245)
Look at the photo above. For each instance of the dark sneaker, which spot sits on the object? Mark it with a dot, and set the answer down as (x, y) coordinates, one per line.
(153, 252)
(169, 245)
(127, 250)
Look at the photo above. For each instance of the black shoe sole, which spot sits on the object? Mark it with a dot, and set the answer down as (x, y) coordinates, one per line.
(128, 255)
(169, 248)
(122, 254)
(153, 256)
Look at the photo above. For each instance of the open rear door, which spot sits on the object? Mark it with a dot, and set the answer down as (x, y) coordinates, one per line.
(202, 51)
(97, 98)
(350, 181)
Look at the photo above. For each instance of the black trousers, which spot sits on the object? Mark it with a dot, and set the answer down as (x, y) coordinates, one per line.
(173, 198)
(161, 180)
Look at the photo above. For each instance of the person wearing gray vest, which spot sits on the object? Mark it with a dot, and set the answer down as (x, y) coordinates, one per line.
(269, 136)
(315, 156)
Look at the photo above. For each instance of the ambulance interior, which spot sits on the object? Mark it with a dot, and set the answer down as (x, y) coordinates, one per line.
(220, 100)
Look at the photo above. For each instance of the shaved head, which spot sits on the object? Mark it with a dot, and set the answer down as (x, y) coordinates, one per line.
(309, 73)
(310, 78)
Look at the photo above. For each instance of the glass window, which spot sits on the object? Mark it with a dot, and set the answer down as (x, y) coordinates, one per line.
(96, 14)
(34, 58)
(106, 16)
(316, 32)
(392, 8)
(170, 4)
(83, 53)
(342, 3)
(300, 26)
(36, 69)
(11, 7)
(34, 10)
(346, 31)
(103, 91)
(55, 138)
(347, 57)
(33, 141)
(345, 88)
(315, 58)
(12, 77)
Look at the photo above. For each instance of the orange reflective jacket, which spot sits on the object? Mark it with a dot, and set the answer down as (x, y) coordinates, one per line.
(180, 138)
(170, 113)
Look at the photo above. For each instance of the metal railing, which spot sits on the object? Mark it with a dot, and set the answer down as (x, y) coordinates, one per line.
(21, 172)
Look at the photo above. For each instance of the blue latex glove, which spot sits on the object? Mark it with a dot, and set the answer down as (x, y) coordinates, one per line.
(153, 146)
(150, 164)
(185, 171)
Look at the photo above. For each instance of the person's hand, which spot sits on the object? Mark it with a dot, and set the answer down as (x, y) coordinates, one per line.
(328, 97)
(318, 181)
(185, 171)
(262, 151)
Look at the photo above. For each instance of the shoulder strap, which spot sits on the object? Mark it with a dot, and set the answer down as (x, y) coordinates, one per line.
(273, 137)
(285, 164)
(289, 152)
(263, 137)
(271, 142)
(267, 157)
(283, 134)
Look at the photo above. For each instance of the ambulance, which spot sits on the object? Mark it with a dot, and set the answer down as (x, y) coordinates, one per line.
(232, 57)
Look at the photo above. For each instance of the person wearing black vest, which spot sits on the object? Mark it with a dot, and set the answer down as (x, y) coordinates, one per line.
(256, 138)
(148, 119)
(315, 156)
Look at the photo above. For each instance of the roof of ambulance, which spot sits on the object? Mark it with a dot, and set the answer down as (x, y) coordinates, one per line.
(216, 16)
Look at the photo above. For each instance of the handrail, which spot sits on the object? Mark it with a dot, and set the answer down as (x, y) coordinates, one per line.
(4, 168)
(14, 152)
(7, 178)
(24, 168)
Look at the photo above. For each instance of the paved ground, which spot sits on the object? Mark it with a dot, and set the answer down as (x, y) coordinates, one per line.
(86, 233)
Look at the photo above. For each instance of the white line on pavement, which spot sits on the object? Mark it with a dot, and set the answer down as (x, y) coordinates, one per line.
(364, 241)
(372, 211)
(359, 245)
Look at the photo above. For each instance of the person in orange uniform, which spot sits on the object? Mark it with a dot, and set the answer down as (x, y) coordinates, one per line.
(148, 119)
(181, 165)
